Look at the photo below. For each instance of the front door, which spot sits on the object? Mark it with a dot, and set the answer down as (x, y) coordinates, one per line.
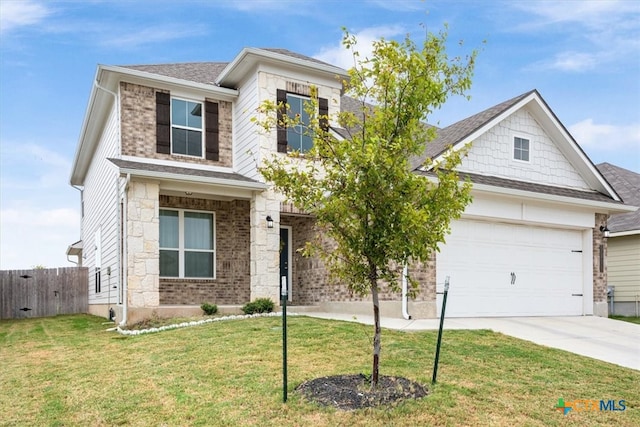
(285, 257)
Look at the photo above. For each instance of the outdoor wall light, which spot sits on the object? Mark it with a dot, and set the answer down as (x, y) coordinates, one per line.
(605, 231)
(269, 222)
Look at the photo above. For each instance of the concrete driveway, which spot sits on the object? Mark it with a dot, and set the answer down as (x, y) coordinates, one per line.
(612, 341)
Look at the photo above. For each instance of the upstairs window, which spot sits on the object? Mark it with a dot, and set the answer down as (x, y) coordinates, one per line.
(181, 127)
(521, 149)
(187, 244)
(298, 136)
(186, 127)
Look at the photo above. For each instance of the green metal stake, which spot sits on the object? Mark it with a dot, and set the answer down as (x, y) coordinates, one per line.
(444, 306)
(283, 297)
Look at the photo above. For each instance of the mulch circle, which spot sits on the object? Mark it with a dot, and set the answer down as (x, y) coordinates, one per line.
(350, 392)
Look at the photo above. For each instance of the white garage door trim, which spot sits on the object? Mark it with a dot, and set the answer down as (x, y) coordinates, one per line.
(500, 269)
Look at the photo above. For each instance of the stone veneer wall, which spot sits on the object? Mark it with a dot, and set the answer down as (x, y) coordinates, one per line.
(138, 128)
(311, 284)
(232, 285)
(599, 277)
(143, 236)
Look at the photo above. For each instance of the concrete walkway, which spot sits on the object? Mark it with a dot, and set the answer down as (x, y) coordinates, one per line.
(609, 340)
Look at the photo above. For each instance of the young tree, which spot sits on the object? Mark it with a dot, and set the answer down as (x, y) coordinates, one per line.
(361, 189)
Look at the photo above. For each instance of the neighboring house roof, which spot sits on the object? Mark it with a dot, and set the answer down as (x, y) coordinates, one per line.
(229, 179)
(627, 185)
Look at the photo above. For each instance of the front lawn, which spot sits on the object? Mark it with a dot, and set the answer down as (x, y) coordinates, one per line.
(69, 371)
(631, 319)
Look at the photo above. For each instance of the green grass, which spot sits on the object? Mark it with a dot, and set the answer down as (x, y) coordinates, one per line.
(69, 371)
(631, 319)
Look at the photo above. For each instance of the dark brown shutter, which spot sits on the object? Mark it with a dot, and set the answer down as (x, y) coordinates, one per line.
(281, 97)
(212, 139)
(163, 123)
(323, 110)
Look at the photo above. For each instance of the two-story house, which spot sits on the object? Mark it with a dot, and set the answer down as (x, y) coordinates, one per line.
(175, 213)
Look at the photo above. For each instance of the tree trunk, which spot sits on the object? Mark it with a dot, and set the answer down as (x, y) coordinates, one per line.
(376, 335)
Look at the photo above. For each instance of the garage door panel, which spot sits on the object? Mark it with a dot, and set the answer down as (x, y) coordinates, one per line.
(510, 270)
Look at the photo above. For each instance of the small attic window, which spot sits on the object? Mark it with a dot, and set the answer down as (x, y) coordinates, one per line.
(521, 149)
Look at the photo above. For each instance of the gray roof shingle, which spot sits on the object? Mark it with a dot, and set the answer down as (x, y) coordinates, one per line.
(531, 187)
(152, 167)
(627, 184)
(199, 72)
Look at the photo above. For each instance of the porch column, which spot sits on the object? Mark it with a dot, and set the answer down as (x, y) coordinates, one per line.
(143, 253)
(265, 247)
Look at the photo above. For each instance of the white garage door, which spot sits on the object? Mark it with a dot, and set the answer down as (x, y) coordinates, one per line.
(500, 269)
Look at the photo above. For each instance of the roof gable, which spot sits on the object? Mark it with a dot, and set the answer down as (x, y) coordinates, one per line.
(472, 128)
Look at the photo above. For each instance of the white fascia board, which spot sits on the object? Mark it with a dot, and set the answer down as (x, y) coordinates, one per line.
(96, 107)
(624, 233)
(194, 179)
(564, 141)
(249, 57)
(570, 148)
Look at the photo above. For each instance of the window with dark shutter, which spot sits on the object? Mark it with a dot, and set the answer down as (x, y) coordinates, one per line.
(297, 137)
(281, 99)
(163, 123)
(323, 111)
(212, 131)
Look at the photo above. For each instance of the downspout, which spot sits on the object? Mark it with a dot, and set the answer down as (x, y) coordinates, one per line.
(405, 294)
(125, 256)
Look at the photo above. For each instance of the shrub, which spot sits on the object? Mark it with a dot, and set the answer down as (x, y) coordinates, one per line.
(261, 305)
(209, 309)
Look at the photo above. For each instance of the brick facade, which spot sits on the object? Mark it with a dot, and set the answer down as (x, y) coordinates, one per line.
(311, 283)
(232, 283)
(138, 127)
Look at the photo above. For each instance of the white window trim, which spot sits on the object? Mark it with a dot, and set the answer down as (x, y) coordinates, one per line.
(181, 248)
(203, 145)
(513, 146)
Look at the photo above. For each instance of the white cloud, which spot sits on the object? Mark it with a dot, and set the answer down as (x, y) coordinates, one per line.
(338, 55)
(592, 14)
(15, 14)
(400, 5)
(569, 61)
(606, 137)
(32, 235)
(604, 32)
(150, 35)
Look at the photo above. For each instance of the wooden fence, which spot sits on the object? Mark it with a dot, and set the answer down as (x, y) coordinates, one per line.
(43, 292)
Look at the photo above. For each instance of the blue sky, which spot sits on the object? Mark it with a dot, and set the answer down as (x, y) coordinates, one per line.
(583, 57)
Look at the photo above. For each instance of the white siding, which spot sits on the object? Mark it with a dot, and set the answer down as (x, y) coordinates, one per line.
(245, 132)
(101, 213)
(492, 154)
(623, 267)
